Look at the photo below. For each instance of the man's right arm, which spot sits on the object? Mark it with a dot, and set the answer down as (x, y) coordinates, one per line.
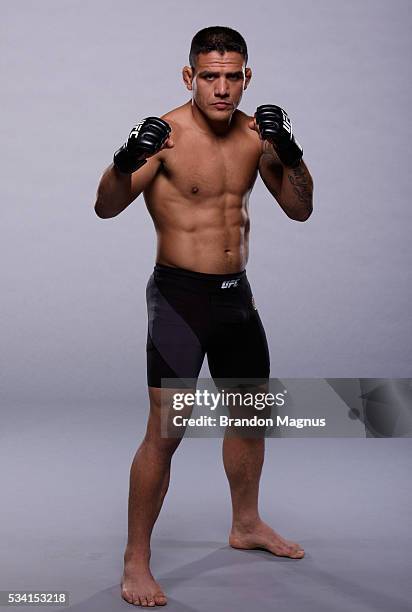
(134, 166)
(117, 190)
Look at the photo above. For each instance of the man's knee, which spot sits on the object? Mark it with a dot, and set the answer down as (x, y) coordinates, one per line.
(156, 437)
(163, 410)
(160, 445)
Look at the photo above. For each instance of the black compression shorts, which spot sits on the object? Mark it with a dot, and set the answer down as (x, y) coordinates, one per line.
(191, 314)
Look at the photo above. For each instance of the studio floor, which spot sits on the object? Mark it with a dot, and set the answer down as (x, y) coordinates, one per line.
(64, 511)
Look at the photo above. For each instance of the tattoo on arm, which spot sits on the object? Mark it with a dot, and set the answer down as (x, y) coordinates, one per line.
(301, 185)
(296, 191)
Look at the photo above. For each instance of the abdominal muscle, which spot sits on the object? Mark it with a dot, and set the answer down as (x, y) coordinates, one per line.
(210, 236)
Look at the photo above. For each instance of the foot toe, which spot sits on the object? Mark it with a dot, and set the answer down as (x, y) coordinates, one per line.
(127, 596)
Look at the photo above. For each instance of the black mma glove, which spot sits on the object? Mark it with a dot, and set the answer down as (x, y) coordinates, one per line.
(275, 126)
(145, 139)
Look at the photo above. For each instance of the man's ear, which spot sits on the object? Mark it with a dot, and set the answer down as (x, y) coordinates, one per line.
(187, 74)
(248, 76)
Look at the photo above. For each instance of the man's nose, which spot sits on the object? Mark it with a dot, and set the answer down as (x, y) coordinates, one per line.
(221, 88)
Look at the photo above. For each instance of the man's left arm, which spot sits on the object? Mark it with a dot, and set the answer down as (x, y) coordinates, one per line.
(281, 166)
(291, 187)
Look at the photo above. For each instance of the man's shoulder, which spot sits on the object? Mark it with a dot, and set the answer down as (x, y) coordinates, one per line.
(243, 121)
(177, 116)
(242, 116)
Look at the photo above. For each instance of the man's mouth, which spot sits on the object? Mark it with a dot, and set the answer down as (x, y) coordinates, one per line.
(222, 105)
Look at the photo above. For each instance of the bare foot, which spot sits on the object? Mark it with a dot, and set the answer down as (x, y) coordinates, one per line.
(139, 587)
(260, 535)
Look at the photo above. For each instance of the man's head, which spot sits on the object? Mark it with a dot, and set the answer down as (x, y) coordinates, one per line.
(217, 74)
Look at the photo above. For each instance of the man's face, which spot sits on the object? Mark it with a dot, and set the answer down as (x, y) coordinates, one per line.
(217, 82)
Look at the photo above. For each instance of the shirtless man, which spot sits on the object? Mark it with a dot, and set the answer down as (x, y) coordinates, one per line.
(196, 167)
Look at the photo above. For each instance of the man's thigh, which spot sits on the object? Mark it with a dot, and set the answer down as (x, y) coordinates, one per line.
(239, 348)
(174, 344)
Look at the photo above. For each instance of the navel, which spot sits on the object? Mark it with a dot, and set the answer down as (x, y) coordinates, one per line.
(195, 189)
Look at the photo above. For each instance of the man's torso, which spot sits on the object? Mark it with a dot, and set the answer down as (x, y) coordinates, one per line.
(199, 198)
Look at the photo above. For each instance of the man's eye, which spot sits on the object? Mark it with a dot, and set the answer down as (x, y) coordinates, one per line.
(209, 77)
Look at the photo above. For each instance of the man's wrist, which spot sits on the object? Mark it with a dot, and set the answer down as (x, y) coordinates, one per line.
(290, 153)
(126, 162)
(294, 165)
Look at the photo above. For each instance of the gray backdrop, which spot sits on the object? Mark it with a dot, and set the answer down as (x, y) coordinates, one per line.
(334, 292)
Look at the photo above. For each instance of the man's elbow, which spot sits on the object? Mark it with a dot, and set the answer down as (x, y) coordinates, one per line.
(304, 215)
(298, 214)
(100, 210)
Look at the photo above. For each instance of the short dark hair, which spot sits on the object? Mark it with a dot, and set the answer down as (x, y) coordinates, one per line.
(217, 38)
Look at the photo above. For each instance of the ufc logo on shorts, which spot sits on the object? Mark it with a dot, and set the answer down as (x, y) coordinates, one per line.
(230, 283)
(286, 122)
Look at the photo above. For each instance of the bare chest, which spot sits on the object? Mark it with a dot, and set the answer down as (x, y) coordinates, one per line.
(198, 165)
